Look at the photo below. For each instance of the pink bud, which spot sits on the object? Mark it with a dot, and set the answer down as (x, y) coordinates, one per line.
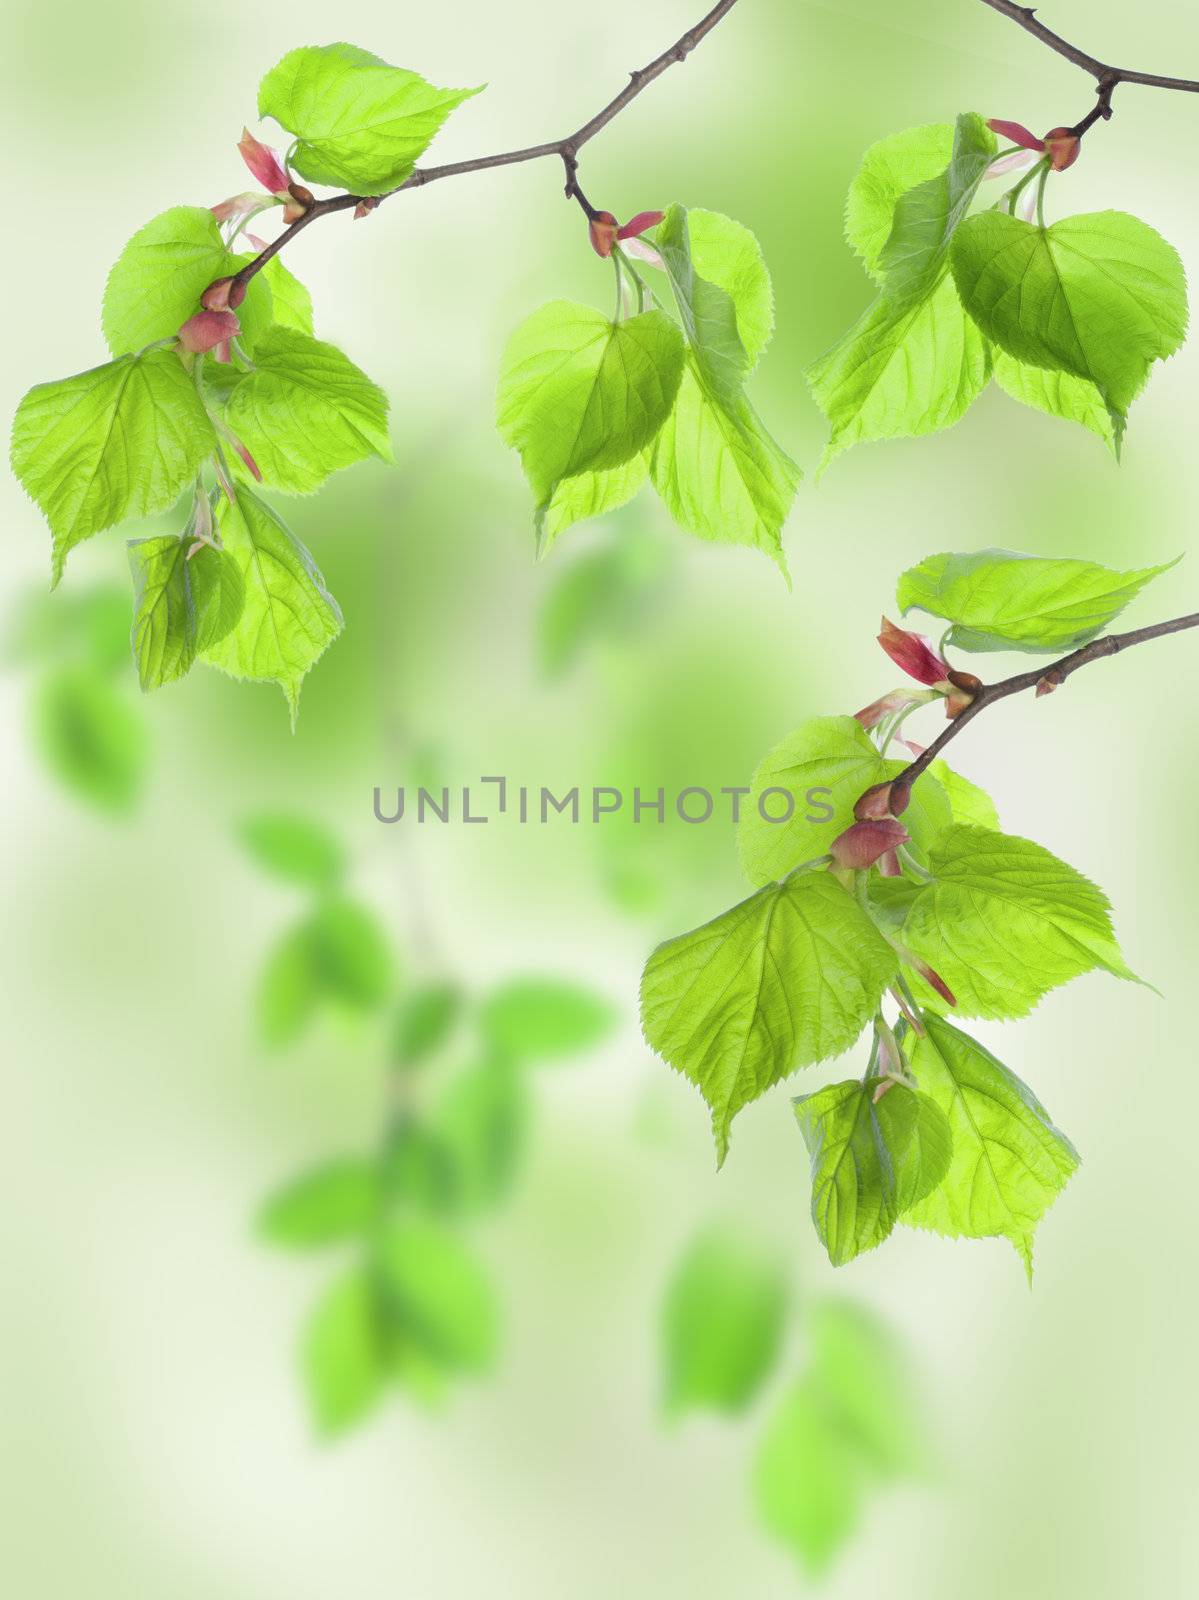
(1046, 685)
(931, 977)
(263, 162)
(913, 653)
(223, 294)
(366, 206)
(888, 865)
(1063, 147)
(247, 458)
(639, 223)
(1017, 133)
(604, 232)
(874, 804)
(207, 330)
(861, 845)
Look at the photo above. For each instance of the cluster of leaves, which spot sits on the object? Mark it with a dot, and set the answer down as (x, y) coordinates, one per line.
(596, 407)
(270, 402)
(89, 733)
(845, 1424)
(1067, 318)
(414, 1307)
(957, 917)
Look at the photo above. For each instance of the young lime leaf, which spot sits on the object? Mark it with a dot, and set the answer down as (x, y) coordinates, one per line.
(218, 590)
(825, 765)
(889, 169)
(865, 1380)
(914, 258)
(119, 441)
(1058, 394)
(293, 848)
(810, 1476)
(902, 371)
(291, 302)
(480, 1124)
(592, 494)
(543, 1019)
(90, 739)
(967, 802)
(578, 393)
(438, 1295)
(998, 600)
(335, 1201)
(305, 411)
(288, 619)
(787, 978)
(164, 614)
(708, 314)
(722, 1324)
(359, 123)
(1101, 296)
(344, 1355)
(870, 1160)
(1004, 922)
(425, 1021)
(720, 474)
(1009, 1162)
(157, 281)
(727, 255)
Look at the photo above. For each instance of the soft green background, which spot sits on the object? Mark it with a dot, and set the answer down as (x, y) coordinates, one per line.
(156, 1446)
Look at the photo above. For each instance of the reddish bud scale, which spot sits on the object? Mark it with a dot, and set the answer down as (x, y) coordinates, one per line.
(209, 330)
(861, 845)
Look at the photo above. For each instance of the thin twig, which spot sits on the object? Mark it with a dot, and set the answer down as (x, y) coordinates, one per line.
(565, 150)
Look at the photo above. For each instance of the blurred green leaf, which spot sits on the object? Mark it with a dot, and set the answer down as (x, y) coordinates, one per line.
(351, 954)
(90, 738)
(605, 592)
(293, 848)
(287, 991)
(480, 1123)
(722, 1325)
(424, 1022)
(540, 1019)
(438, 1294)
(418, 1169)
(860, 1367)
(344, 1354)
(809, 1477)
(335, 1201)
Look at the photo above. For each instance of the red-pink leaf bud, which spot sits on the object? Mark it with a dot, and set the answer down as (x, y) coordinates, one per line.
(1016, 132)
(913, 653)
(1051, 681)
(248, 459)
(216, 296)
(604, 231)
(861, 845)
(1063, 147)
(639, 223)
(207, 330)
(931, 977)
(263, 162)
(874, 804)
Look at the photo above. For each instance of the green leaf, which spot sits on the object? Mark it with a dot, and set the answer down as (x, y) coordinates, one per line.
(591, 494)
(543, 1019)
(218, 590)
(1101, 296)
(728, 255)
(889, 169)
(810, 1477)
(289, 618)
(605, 593)
(870, 1160)
(119, 441)
(164, 614)
(425, 1021)
(90, 738)
(287, 993)
(866, 1383)
(439, 1294)
(293, 848)
(720, 474)
(360, 124)
(344, 1355)
(901, 371)
(1058, 394)
(291, 302)
(480, 1124)
(157, 281)
(578, 393)
(708, 314)
(927, 216)
(1009, 1161)
(722, 1324)
(825, 765)
(998, 600)
(305, 411)
(787, 978)
(1005, 922)
(350, 954)
(333, 1202)
(418, 1171)
(967, 802)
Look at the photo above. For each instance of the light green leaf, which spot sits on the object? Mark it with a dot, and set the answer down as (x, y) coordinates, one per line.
(722, 1324)
(787, 978)
(1005, 922)
(335, 1201)
(720, 474)
(1058, 394)
(425, 1021)
(90, 738)
(913, 259)
(998, 600)
(1009, 1161)
(157, 281)
(305, 411)
(218, 589)
(708, 314)
(728, 255)
(870, 1160)
(1100, 295)
(291, 302)
(439, 1295)
(289, 618)
(360, 124)
(967, 802)
(293, 848)
(164, 614)
(866, 1382)
(591, 494)
(287, 992)
(889, 169)
(578, 393)
(350, 954)
(901, 371)
(480, 1125)
(825, 765)
(344, 1355)
(810, 1477)
(543, 1019)
(119, 441)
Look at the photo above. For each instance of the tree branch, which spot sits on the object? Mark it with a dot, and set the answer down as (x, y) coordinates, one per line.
(1052, 677)
(566, 150)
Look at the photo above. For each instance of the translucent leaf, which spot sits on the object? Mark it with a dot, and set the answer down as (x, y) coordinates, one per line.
(119, 441)
(708, 314)
(889, 169)
(333, 1202)
(359, 123)
(291, 303)
(785, 979)
(164, 614)
(967, 802)
(218, 589)
(592, 494)
(439, 1294)
(1058, 394)
(544, 1019)
(90, 739)
(998, 600)
(728, 255)
(293, 848)
(344, 1355)
(722, 1324)
(927, 216)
